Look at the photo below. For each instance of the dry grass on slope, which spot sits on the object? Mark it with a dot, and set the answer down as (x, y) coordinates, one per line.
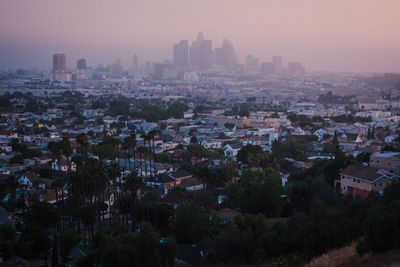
(348, 257)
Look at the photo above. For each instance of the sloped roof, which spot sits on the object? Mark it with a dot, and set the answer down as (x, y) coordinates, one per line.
(225, 213)
(365, 173)
(180, 173)
(162, 178)
(174, 197)
(190, 182)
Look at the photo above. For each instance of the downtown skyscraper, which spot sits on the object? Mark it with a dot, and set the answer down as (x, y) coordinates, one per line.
(181, 54)
(59, 62)
(201, 52)
(225, 56)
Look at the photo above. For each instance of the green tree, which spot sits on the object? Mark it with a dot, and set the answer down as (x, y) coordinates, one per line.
(193, 140)
(8, 241)
(378, 229)
(190, 224)
(176, 110)
(68, 240)
(257, 192)
(250, 154)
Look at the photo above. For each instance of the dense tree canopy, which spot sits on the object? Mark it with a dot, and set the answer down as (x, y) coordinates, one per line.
(257, 192)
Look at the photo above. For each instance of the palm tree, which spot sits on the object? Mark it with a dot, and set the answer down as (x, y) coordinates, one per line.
(66, 149)
(55, 149)
(130, 145)
(152, 135)
(142, 152)
(83, 140)
(145, 138)
(125, 148)
(113, 172)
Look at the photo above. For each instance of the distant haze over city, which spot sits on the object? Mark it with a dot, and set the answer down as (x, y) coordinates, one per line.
(340, 35)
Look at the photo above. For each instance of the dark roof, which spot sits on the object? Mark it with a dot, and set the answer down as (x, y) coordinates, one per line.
(365, 173)
(45, 181)
(31, 176)
(235, 146)
(225, 213)
(180, 173)
(352, 136)
(190, 182)
(162, 178)
(174, 197)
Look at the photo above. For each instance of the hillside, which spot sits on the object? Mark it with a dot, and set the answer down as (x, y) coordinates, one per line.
(347, 257)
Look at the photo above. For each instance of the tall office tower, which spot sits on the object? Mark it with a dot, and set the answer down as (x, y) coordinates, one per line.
(296, 70)
(135, 64)
(81, 64)
(251, 63)
(59, 63)
(225, 56)
(116, 69)
(201, 52)
(181, 54)
(277, 60)
(267, 68)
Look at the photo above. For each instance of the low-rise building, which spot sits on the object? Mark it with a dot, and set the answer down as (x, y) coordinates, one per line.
(359, 181)
(389, 161)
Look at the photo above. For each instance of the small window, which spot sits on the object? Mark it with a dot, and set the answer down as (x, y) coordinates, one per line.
(348, 177)
(344, 187)
(376, 185)
(381, 185)
(358, 181)
(354, 180)
(389, 163)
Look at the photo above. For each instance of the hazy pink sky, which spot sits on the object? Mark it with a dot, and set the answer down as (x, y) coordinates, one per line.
(348, 35)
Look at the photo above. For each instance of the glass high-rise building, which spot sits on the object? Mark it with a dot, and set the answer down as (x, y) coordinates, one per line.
(201, 52)
(225, 56)
(181, 54)
(81, 64)
(59, 62)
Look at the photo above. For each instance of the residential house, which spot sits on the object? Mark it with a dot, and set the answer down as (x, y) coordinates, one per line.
(63, 165)
(225, 214)
(389, 161)
(26, 179)
(212, 144)
(299, 131)
(359, 181)
(162, 181)
(320, 133)
(231, 150)
(390, 138)
(192, 184)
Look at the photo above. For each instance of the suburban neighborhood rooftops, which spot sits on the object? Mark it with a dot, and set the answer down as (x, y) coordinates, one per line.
(387, 154)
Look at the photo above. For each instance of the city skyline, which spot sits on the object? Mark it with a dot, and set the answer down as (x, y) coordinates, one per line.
(334, 36)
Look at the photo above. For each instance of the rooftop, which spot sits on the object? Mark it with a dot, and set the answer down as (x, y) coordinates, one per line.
(387, 154)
